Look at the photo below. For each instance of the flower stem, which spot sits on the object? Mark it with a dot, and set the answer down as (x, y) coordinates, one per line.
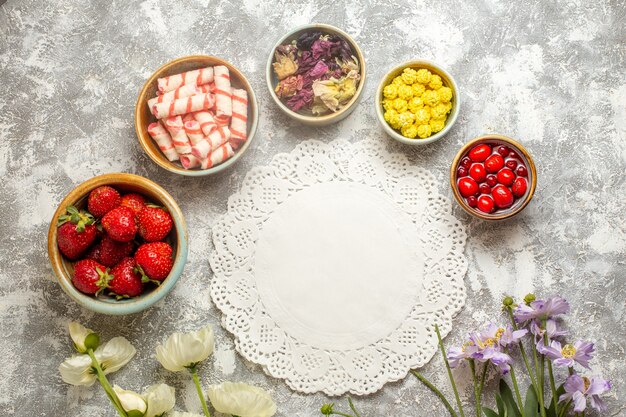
(434, 389)
(546, 342)
(196, 380)
(104, 382)
(472, 365)
(353, 408)
(338, 413)
(482, 382)
(539, 370)
(517, 393)
(445, 361)
(564, 409)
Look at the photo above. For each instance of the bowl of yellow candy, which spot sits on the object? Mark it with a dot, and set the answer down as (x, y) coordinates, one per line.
(417, 102)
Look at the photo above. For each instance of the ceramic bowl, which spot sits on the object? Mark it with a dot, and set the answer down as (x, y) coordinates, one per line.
(143, 116)
(448, 81)
(302, 116)
(520, 203)
(178, 239)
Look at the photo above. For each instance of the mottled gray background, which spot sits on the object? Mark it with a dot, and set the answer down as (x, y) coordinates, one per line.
(549, 73)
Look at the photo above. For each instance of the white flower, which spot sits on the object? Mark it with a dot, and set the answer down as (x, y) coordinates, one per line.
(182, 414)
(130, 400)
(77, 370)
(160, 399)
(182, 350)
(242, 400)
(79, 334)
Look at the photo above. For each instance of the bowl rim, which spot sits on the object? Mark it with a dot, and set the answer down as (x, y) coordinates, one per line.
(452, 118)
(532, 171)
(330, 116)
(170, 166)
(129, 306)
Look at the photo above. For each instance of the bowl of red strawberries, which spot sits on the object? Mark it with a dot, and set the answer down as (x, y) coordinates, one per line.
(493, 177)
(117, 243)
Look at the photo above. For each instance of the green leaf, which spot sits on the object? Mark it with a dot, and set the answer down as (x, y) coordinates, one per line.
(500, 404)
(531, 405)
(550, 411)
(509, 401)
(489, 412)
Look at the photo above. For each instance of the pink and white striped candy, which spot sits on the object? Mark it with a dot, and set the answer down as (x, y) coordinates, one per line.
(207, 122)
(183, 91)
(216, 139)
(188, 161)
(174, 125)
(183, 105)
(163, 140)
(194, 133)
(239, 120)
(223, 101)
(218, 156)
(198, 77)
(207, 88)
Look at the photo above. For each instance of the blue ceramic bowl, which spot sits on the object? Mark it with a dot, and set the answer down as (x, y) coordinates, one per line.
(178, 239)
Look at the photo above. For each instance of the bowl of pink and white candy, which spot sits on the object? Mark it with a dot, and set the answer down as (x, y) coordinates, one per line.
(196, 115)
(493, 177)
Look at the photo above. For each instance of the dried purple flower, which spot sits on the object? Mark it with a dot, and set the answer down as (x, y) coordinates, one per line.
(578, 389)
(318, 70)
(580, 352)
(289, 86)
(322, 49)
(552, 329)
(306, 39)
(302, 98)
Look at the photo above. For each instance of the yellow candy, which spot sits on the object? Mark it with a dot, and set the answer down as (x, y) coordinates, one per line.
(387, 104)
(390, 91)
(409, 131)
(436, 125)
(389, 115)
(405, 92)
(439, 111)
(445, 94)
(435, 82)
(430, 98)
(448, 107)
(423, 76)
(397, 81)
(418, 89)
(400, 105)
(409, 75)
(423, 131)
(394, 120)
(405, 118)
(422, 115)
(415, 104)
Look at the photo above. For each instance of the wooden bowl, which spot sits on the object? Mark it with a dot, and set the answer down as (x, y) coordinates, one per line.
(302, 117)
(520, 203)
(448, 81)
(178, 239)
(143, 116)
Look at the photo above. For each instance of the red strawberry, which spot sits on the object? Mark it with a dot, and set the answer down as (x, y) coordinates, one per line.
(102, 200)
(126, 281)
(75, 233)
(120, 224)
(94, 252)
(90, 277)
(154, 261)
(112, 251)
(135, 202)
(154, 223)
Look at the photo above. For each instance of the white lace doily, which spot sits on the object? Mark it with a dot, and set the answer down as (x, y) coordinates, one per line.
(334, 263)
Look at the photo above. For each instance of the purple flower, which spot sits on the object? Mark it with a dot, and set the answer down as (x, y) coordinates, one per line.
(510, 336)
(457, 355)
(322, 49)
(552, 329)
(580, 352)
(318, 70)
(301, 99)
(578, 389)
(306, 62)
(541, 309)
(307, 38)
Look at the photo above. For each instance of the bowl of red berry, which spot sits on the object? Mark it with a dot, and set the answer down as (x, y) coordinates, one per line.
(117, 243)
(493, 177)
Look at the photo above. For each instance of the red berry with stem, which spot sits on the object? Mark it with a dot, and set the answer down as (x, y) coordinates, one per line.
(90, 277)
(519, 187)
(120, 224)
(502, 196)
(511, 164)
(478, 172)
(112, 251)
(154, 223)
(135, 202)
(102, 200)
(480, 153)
(485, 204)
(75, 233)
(491, 180)
(494, 163)
(467, 187)
(126, 281)
(154, 261)
(522, 171)
(506, 177)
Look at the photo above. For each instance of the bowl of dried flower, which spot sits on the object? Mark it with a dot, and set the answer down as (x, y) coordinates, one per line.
(315, 74)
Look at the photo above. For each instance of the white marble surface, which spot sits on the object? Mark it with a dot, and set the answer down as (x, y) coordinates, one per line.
(550, 74)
